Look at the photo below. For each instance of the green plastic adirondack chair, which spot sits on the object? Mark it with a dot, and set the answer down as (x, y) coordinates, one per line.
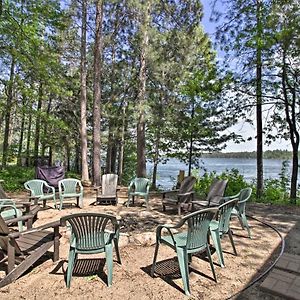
(139, 187)
(92, 233)
(40, 189)
(186, 243)
(220, 227)
(8, 210)
(240, 209)
(70, 188)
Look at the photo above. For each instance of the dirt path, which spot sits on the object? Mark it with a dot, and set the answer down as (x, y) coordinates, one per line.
(131, 280)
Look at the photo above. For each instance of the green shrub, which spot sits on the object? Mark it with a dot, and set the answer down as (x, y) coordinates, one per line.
(236, 182)
(14, 177)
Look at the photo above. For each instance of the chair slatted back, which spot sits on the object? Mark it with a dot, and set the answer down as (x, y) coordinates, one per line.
(141, 184)
(109, 184)
(68, 185)
(186, 186)
(244, 196)
(35, 186)
(224, 213)
(4, 232)
(216, 191)
(89, 229)
(198, 225)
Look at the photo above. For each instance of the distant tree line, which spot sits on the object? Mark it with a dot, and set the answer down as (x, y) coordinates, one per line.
(269, 154)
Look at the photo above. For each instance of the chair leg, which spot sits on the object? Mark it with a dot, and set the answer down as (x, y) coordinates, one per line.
(109, 262)
(231, 240)
(71, 262)
(179, 210)
(54, 200)
(128, 201)
(154, 258)
(217, 243)
(184, 269)
(211, 262)
(116, 243)
(245, 224)
(61, 203)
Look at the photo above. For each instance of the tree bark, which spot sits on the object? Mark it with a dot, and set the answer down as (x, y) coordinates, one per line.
(28, 162)
(38, 125)
(259, 126)
(122, 145)
(290, 115)
(9, 104)
(22, 129)
(83, 97)
(141, 141)
(97, 94)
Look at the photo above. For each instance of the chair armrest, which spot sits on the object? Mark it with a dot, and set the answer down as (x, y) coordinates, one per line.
(130, 185)
(187, 193)
(54, 225)
(22, 218)
(164, 193)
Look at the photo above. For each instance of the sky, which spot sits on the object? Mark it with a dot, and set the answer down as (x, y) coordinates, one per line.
(245, 129)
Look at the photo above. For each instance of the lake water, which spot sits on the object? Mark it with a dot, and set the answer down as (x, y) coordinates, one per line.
(167, 173)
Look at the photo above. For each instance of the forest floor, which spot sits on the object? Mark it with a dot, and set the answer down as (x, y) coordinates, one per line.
(132, 280)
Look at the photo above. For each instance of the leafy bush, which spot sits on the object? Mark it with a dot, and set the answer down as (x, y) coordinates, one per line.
(236, 182)
(14, 177)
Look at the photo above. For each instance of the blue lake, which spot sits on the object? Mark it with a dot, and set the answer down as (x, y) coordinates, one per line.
(167, 173)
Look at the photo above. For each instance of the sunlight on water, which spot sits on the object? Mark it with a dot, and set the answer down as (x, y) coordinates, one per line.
(167, 173)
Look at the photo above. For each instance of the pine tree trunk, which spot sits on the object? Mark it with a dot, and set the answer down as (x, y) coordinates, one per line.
(38, 125)
(28, 162)
(122, 145)
(19, 159)
(259, 126)
(291, 118)
(155, 161)
(83, 98)
(9, 104)
(141, 141)
(97, 94)
(44, 141)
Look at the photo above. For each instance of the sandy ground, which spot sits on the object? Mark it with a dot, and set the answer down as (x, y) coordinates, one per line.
(132, 280)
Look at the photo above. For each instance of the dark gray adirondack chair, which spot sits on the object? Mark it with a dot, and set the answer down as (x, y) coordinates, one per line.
(139, 187)
(221, 226)
(20, 250)
(107, 193)
(214, 196)
(92, 233)
(192, 240)
(182, 197)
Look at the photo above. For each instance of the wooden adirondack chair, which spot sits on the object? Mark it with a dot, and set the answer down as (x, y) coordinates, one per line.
(40, 190)
(70, 188)
(191, 241)
(214, 196)
(20, 250)
(9, 209)
(182, 197)
(107, 193)
(92, 233)
(139, 187)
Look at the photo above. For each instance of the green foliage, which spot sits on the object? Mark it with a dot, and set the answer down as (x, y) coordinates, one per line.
(14, 177)
(236, 182)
